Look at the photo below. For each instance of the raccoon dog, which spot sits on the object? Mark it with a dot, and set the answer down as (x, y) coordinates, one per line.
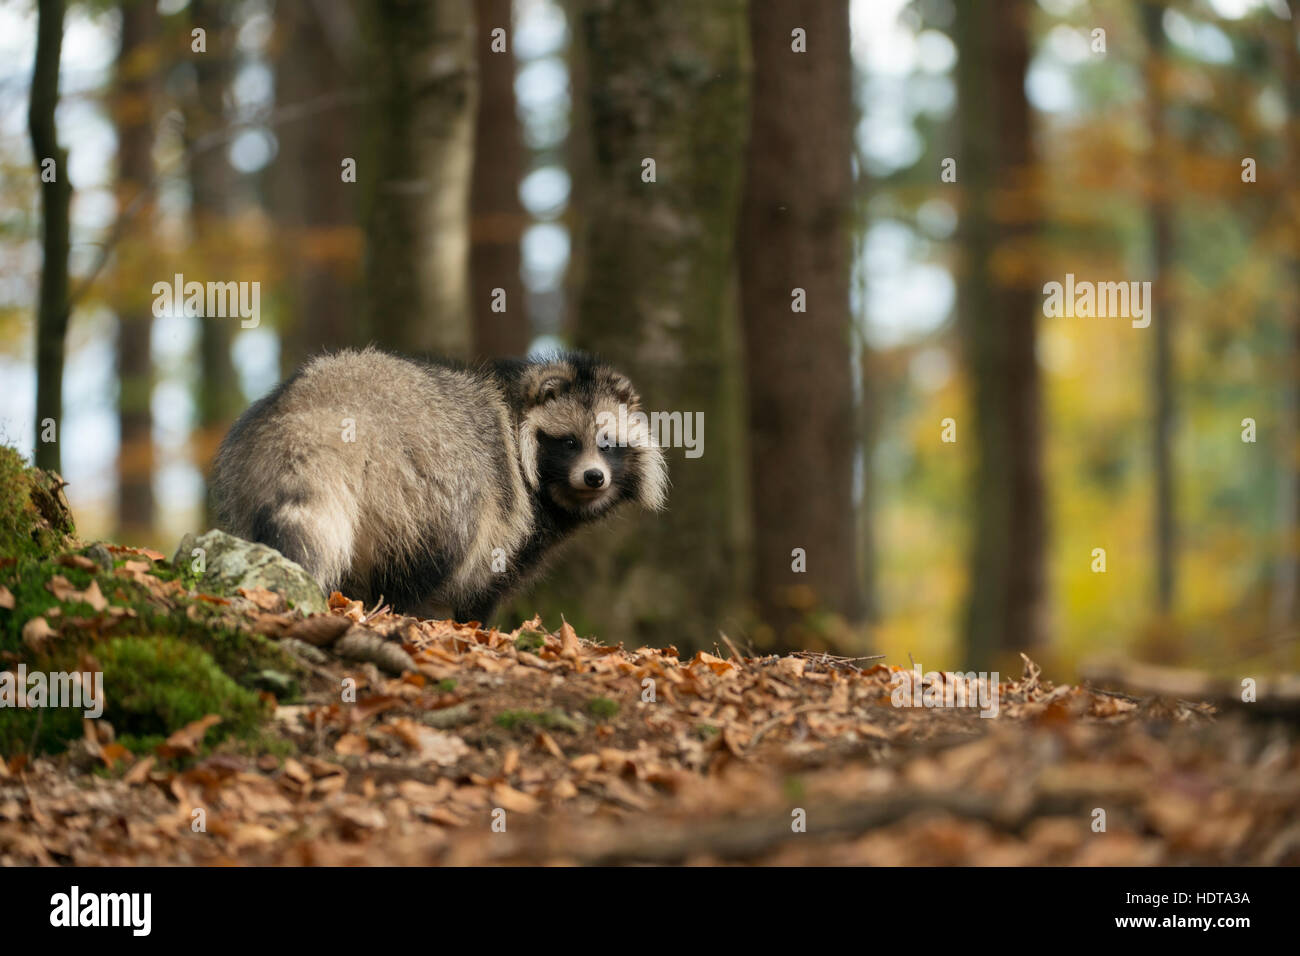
(433, 486)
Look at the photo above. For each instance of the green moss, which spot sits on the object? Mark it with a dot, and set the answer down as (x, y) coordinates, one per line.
(530, 641)
(38, 730)
(171, 661)
(27, 582)
(446, 685)
(545, 719)
(238, 652)
(33, 516)
(602, 708)
(793, 788)
(153, 686)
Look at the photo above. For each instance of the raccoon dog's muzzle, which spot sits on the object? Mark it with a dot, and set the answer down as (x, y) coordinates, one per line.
(589, 475)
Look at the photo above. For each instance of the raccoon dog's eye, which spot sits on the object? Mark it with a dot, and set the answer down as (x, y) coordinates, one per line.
(570, 443)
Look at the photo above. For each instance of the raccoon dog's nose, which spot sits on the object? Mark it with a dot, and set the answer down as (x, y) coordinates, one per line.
(594, 477)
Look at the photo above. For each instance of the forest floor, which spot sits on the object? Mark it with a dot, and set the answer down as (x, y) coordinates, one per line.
(536, 747)
(239, 731)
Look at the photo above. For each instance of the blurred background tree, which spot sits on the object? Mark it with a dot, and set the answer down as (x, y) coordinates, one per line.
(665, 116)
(316, 51)
(496, 215)
(212, 195)
(824, 225)
(795, 249)
(416, 172)
(134, 110)
(999, 302)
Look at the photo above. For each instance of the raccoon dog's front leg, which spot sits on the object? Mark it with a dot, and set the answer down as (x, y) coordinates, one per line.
(480, 610)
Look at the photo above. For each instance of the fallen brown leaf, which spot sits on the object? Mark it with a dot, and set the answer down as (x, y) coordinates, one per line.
(185, 742)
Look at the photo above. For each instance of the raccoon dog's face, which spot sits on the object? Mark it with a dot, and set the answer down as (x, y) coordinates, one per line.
(578, 448)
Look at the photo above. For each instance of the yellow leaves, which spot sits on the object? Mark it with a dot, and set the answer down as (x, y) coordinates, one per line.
(351, 745)
(570, 648)
(148, 553)
(79, 561)
(296, 772)
(507, 797)
(413, 770)
(428, 745)
(791, 667)
(65, 591)
(425, 794)
(546, 742)
(511, 761)
(185, 742)
(266, 600)
(585, 763)
(94, 597)
(139, 772)
(360, 817)
(98, 740)
(564, 789)
(246, 835)
(37, 633)
(319, 630)
(712, 664)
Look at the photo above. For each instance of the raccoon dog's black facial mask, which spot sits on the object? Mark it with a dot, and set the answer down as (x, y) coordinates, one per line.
(572, 451)
(576, 474)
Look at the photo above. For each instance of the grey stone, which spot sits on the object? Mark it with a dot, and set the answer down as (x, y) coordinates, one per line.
(100, 555)
(232, 563)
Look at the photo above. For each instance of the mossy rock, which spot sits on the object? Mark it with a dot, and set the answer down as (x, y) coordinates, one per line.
(171, 660)
(231, 563)
(153, 686)
(238, 651)
(34, 514)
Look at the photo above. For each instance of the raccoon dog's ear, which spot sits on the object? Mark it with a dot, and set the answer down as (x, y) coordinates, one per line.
(548, 383)
(550, 388)
(624, 390)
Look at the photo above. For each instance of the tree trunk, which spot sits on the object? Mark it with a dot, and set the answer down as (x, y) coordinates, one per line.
(666, 82)
(496, 215)
(869, 429)
(795, 241)
(417, 173)
(316, 211)
(56, 201)
(133, 115)
(1162, 375)
(579, 154)
(1285, 610)
(998, 308)
(218, 400)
